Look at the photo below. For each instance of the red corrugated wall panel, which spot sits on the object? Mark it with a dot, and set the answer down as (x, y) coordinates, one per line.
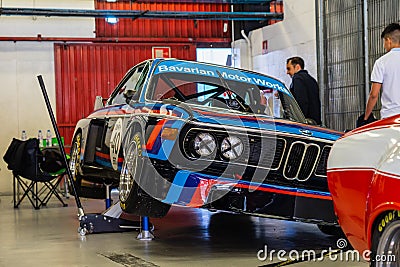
(84, 71)
(156, 28)
(275, 6)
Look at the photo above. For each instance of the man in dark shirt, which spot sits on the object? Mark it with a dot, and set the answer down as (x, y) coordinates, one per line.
(304, 89)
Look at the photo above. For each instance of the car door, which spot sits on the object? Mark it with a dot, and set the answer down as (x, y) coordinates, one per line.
(119, 111)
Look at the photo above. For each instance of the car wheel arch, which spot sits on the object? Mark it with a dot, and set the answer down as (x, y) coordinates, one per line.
(374, 213)
(134, 127)
(135, 199)
(382, 241)
(375, 217)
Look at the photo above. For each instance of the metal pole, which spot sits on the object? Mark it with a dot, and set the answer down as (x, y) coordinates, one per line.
(233, 57)
(249, 50)
(366, 51)
(108, 196)
(53, 121)
(319, 9)
(146, 223)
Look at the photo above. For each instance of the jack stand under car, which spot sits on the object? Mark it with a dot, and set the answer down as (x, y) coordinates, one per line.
(108, 196)
(145, 233)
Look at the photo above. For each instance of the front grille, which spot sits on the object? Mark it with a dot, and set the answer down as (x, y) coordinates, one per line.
(323, 161)
(267, 154)
(259, 151)
(301, 161)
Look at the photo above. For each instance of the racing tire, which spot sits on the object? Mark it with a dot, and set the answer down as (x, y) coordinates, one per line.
(132, 198)
(386, 241)
(96, 192)
(331, 230)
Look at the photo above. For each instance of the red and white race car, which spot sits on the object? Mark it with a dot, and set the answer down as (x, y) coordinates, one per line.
(364, 180)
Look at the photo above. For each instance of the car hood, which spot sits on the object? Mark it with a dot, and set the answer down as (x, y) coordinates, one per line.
(263, 122)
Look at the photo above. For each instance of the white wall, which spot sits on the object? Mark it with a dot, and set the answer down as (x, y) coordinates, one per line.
(23, 106)
(294, 36)
(213, 55)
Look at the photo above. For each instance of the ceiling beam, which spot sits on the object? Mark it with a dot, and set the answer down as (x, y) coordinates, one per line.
(145, 14)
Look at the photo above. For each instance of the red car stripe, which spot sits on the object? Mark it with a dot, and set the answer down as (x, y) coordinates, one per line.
(299, 194)
(154, 134)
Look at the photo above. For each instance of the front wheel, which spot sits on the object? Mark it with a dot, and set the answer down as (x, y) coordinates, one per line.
(386, 241)
(132, 198)
(75, 162)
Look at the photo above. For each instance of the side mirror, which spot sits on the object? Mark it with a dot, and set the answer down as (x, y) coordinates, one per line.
(98, 103)
(129, 95)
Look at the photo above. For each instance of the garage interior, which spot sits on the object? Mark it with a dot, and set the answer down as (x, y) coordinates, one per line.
(82, 48)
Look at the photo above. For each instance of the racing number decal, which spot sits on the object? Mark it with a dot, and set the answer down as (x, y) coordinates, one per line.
(115, 143)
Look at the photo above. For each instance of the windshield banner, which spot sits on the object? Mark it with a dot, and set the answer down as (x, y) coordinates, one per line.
(226, 73)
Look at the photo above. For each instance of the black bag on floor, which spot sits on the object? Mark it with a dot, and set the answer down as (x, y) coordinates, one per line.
(21, 157)
(53, 161)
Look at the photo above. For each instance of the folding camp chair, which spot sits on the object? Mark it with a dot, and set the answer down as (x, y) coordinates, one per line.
(36, 173)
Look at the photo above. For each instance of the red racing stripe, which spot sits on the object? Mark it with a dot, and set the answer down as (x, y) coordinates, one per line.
(154, 134)
(284, 192)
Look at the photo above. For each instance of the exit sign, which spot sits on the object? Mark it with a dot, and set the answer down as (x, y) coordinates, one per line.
(265, 47)
(161, 51)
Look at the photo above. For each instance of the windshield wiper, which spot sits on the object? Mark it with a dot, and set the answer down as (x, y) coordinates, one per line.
(229, 91)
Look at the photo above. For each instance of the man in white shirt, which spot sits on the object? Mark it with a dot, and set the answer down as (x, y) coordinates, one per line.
(386, 75)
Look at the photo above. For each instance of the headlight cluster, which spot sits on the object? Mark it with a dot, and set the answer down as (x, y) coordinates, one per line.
(205, 145)
(231, 147)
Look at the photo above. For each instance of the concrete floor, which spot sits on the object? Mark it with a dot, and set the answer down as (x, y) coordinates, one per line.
(185, 237)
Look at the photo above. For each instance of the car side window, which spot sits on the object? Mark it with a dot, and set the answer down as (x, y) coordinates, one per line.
(132, 83)
(141, 80)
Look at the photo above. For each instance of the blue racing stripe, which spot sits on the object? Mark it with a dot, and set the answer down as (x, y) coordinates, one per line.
(107, 163)
(190, 188)
(176, 187)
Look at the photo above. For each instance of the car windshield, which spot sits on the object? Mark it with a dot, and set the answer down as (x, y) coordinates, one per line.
(210, 86)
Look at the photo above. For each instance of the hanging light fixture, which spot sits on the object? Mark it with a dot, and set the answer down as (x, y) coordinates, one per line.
(112, 20)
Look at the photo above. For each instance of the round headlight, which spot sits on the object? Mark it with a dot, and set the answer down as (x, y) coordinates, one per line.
(231, 147)
(204, 144)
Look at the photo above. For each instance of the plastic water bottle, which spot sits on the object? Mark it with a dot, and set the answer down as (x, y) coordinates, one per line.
(40, 137)
(23, 136)
(48, 138)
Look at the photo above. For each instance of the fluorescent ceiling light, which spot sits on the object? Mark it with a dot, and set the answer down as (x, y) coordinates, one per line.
(112, 20)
